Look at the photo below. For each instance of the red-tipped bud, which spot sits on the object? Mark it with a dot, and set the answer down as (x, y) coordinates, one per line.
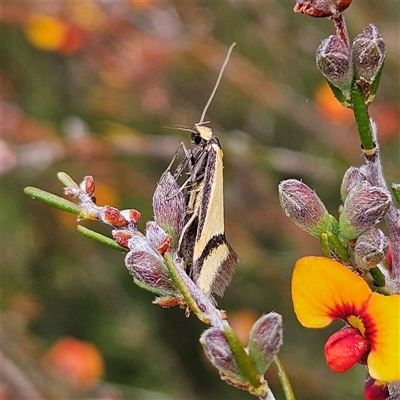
(345, 348)
(334, 61)
(321, 8)
(121, 237)
(164, 247)
(113, 216)
(352, 177)
(368, 53)
(87, 185)
(132, 216)
(72, 191)
(371, 248)
(302, 205)
(364, 207)
(376, 390)
(155, 235)
(265, 340)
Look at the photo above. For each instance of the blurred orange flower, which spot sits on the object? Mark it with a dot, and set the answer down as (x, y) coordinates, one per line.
(80, 362)
(330, 107)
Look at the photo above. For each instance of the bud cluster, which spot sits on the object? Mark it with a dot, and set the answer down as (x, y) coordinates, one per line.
(340, 64)
(364, 205)
(145, 258)
(265, 340)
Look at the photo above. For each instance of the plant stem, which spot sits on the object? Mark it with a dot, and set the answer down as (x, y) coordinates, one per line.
(242, 358)
(183, 288)
(284, 379)
(341, 28)
(362, 119)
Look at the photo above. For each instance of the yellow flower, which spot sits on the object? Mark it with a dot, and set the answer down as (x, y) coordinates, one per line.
(323, 290)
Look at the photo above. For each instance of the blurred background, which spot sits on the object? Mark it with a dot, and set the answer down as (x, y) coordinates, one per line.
(88, 88)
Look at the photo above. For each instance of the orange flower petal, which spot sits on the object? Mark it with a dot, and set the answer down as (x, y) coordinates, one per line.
(324, 289)
(383, 331)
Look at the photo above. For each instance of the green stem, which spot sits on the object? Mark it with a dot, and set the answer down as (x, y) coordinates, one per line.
(325, 245)
(53, 200)
(181, 285)
(337, 245)
(362, 119)
(242, 358)
(396, 191)
(378, 276)
(98, 237)
(284, 380)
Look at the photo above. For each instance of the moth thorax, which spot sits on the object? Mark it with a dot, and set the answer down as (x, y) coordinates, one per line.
(203, 133)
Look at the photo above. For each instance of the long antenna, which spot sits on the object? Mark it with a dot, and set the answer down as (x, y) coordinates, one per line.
(217, 83)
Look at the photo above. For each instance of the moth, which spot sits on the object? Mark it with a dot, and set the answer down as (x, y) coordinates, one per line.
(210, 260)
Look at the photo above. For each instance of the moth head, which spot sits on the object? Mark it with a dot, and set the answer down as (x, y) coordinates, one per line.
(201, 134)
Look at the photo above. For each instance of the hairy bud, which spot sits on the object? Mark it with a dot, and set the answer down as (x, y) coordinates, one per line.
(265, 340)
(352, 177)
(371, 248)
(302, 205)
(156, 235)
(147, 267)
(368, 53)
(220, 354)
(334, 61)
(364, 207)
(169, 207)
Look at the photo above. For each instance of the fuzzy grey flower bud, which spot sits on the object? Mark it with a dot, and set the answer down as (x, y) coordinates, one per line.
(364, 207)
(302, 205)
(169, 207)
(321, 8)
(147, 267)
(220, 354)
(334, 61)
(265, 340)
(371, 248)
(352, 177)
(155, 235)
(368, 53)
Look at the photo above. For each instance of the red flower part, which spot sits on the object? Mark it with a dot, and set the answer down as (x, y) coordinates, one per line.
(88, 185)
(321, 8)
(114, 217)
(345, 348)
(375, 389)
(122, 238)
(389, 257)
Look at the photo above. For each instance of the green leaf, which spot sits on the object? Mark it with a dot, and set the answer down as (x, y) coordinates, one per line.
(375, 85)
(98, 237)
(53, 200)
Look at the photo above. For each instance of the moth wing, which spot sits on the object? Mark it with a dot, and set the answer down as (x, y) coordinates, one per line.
(214, 260)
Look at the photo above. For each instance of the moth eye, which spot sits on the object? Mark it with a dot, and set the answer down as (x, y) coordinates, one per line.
(196, 138)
